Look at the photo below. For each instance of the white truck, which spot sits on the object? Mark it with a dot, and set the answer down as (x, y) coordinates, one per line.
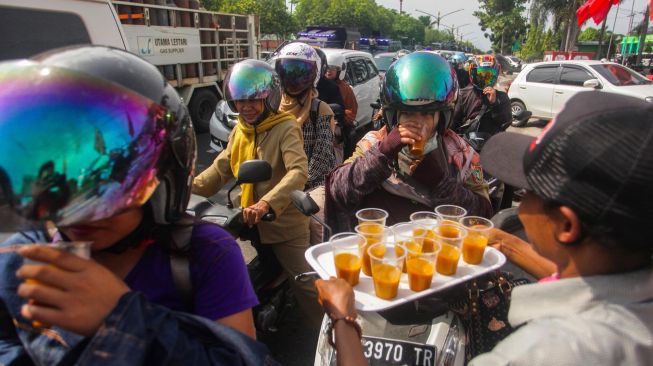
(193, 48)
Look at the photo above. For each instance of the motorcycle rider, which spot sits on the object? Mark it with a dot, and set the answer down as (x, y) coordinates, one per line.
(480, 100)
(329, 93)
(252, 88)
(298, 66)
(114, 148)
(336, 70)
(418, 95)
(457, 61)
(587, 209)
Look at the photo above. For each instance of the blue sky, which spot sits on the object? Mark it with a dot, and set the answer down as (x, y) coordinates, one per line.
(473, 32)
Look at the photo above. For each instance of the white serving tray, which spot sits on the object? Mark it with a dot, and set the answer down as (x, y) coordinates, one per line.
(320, 257)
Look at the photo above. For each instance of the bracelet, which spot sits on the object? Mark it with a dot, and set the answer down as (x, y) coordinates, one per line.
(347, 319)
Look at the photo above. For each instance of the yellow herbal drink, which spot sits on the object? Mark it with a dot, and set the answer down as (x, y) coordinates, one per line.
(386, 280)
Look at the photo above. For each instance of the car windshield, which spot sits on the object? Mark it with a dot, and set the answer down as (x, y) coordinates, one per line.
(619, 75)
(515, 59)
(383, 62)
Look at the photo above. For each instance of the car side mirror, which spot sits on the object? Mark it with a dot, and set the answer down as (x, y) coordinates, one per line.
(592, 83)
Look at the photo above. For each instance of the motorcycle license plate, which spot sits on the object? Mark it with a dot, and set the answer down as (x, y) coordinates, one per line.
(383, 352)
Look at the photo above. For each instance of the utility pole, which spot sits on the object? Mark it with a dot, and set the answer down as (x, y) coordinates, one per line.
(599, 52)
(401, 6)
(642, 37)
(613, 25)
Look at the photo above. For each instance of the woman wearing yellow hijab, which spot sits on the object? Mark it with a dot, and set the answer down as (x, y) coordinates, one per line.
(252, 88)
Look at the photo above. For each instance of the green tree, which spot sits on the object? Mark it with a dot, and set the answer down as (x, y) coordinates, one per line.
(274, 17)
(589, 34)
(425, 19)
(504, 20)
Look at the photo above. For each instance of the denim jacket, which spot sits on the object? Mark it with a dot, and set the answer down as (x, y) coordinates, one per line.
(136, 332)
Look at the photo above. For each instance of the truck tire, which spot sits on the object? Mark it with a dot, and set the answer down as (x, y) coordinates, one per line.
(516, 107)
(202, 107)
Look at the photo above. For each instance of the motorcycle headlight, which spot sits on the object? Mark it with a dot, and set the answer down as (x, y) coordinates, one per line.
(451, 344)
(649, 99)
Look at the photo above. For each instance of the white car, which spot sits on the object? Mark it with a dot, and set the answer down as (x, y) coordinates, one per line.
(543, 88)
(362, 74)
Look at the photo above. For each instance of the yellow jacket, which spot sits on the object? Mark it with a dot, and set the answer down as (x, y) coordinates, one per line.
(282, 146)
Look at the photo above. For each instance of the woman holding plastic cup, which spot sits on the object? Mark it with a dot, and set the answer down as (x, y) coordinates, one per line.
(391, 171)
(112, 151)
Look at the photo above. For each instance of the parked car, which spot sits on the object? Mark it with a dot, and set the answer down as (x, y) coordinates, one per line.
(362, 74)
(383, 61)
(543, 88)
(514, 62)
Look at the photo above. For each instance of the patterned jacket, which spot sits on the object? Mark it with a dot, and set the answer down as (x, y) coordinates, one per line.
(451, 174)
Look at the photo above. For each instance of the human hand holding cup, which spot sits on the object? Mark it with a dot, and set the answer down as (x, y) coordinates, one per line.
(79, 248)
(70, 292)
(414, 134)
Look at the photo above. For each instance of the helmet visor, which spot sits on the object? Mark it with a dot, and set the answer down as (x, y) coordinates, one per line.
(75, 149)
(296, 75)
(249, 81)
(486, 76)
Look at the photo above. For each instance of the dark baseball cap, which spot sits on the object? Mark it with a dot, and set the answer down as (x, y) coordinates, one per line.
(595, 156)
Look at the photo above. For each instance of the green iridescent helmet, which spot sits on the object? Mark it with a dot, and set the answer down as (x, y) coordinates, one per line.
(420, 81)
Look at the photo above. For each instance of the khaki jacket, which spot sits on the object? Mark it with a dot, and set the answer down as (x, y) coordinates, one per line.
(282, 147)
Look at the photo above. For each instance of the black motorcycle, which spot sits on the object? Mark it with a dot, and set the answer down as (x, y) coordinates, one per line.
(270, 283)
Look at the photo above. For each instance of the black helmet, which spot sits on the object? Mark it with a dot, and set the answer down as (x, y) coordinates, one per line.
(420, 81)
(253, 79)
(91, 131)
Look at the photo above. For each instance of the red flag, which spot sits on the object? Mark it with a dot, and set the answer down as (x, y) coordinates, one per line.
(595, 9)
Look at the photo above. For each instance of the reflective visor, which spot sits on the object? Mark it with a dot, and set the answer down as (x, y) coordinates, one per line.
(296, 74)
(248, 81)
(486, 76)
(75, 149)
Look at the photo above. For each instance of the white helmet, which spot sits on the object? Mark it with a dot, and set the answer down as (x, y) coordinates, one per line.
(338, 60)
(287, 69)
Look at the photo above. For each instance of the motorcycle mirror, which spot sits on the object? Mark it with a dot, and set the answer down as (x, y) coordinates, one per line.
(254, 171)
(308, 207)
(250, 171)
(304, 203)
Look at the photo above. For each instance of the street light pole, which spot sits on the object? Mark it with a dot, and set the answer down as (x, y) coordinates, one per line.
(439, 17)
